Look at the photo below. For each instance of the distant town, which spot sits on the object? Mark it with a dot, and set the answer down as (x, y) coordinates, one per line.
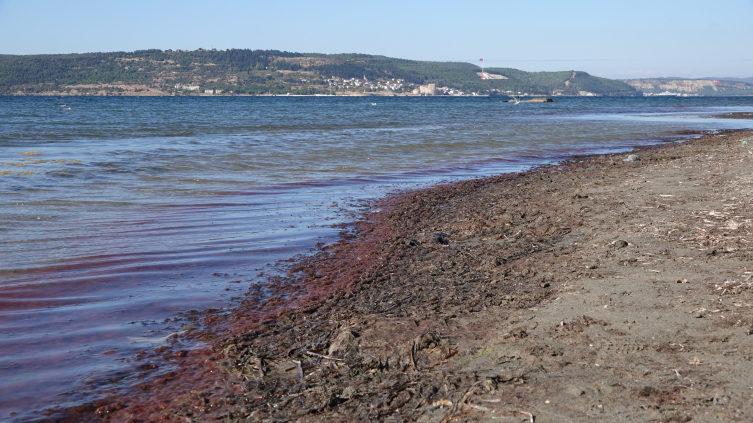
(364, 86)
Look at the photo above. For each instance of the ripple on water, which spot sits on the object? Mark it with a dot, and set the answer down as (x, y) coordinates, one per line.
(130, 211)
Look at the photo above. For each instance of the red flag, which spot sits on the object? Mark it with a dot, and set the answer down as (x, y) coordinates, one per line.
(481, 60)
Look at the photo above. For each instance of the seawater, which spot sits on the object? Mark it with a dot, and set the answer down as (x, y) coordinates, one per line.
(119, 213)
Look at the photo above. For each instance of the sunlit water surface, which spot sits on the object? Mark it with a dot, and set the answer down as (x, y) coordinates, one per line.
(118, 213)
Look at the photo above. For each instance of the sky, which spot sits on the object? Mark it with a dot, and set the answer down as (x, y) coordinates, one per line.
(613, 39)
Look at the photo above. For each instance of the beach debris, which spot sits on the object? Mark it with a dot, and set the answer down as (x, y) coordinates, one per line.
(632, 158)
(464, 400)
(412, 242)
(530, 416)
(341, 344)
(479, 407)
(441, 238)
(325, 357)
(300, 370)
(580, 323)
(620, 243)
(723, 400)
(682, 280)
(491, 383)
(111, 408)
(348, 392)
(442, 403)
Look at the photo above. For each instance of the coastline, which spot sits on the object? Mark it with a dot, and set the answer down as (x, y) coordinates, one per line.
(203, 95)
(529, 296)
(340, 94)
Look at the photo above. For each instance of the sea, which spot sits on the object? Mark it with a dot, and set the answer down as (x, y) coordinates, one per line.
(119, 215)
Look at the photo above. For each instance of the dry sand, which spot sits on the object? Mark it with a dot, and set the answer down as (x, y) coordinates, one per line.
(597, 290)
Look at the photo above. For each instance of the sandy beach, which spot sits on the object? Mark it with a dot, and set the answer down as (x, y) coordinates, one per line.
(607, 288)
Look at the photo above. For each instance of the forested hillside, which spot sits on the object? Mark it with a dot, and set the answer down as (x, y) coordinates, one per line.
(157, 72)
(565, 83)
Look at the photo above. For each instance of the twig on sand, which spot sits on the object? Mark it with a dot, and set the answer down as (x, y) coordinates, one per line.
(454, 408)
(526, 413)
(326, 357)
(478, 407)
(514, 237)
(300, 370)
(413, 355)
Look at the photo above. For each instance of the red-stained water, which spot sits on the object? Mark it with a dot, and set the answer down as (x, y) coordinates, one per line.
(68, 324)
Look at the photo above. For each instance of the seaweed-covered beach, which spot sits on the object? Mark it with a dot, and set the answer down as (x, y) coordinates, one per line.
(609, 287)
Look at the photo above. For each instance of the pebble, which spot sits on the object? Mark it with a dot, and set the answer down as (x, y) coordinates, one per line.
(724, 400)
(631, 158)
(441, 239)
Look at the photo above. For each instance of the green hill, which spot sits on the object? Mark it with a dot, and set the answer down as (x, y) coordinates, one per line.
(565, 83)
(157, 72)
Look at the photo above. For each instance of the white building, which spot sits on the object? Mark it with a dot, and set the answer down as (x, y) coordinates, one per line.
(429, 89)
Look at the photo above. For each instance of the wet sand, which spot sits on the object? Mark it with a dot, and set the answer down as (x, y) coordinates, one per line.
(599, 289)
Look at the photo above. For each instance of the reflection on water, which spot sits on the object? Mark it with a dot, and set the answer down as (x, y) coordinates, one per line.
(120, 212)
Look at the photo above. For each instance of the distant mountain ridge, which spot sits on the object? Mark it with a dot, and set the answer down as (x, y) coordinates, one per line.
(696, 87)
(746, 80)
(157, 72)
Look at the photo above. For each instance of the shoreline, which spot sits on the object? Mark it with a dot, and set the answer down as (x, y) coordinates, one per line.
(347, 94)
(340, 95)
(373, 342)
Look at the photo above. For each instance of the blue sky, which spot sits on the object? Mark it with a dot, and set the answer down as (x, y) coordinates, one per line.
(614, 39)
